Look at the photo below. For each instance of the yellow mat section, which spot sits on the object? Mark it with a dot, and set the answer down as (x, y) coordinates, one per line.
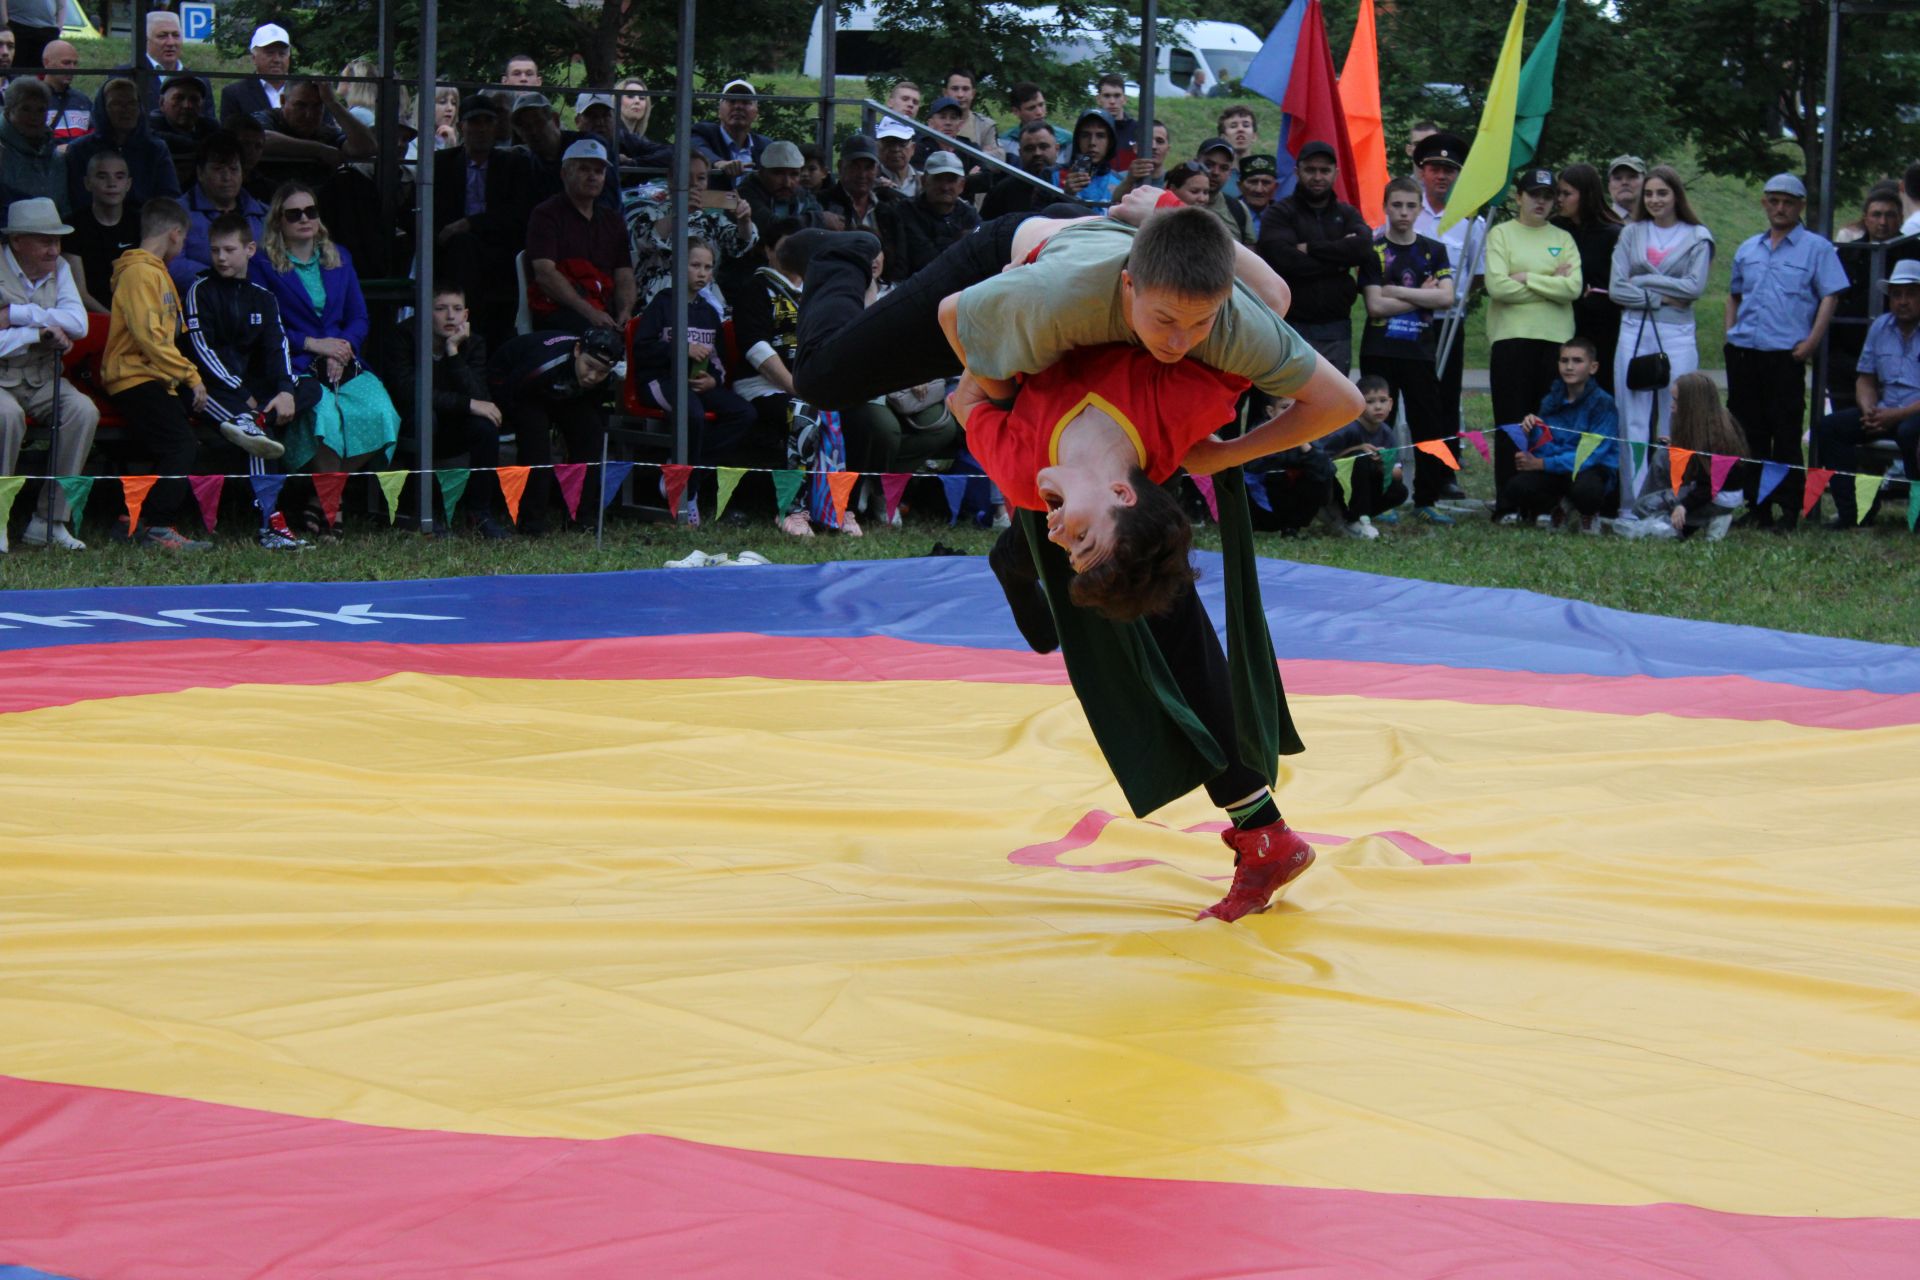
(1680, 966)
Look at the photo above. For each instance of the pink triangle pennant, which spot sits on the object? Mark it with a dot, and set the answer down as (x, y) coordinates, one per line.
(206, 492)
(1205, 485)
(1717, 471)
(572, 477)
(892, 485)
(1478, 439)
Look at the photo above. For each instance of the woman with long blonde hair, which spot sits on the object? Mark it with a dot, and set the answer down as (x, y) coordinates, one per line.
(324, 315)
(1702, 425)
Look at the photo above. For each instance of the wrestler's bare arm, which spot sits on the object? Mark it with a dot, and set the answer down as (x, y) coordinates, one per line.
(1328, 401)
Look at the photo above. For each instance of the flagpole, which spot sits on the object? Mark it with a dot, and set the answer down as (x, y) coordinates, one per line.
(1149, 73)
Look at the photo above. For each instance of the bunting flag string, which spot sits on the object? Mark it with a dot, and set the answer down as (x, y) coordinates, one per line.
(77, 488)
(1207, 495)
(390, 484)
(1677, 460)
(892, 486)
(840, 486)
(1342, 471)
(327, 487)
(206, 492)
(453, 487)
(571, 478)
(513, 483)
(729, 480)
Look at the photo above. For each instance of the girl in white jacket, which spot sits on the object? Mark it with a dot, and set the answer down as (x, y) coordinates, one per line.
(1659, 271)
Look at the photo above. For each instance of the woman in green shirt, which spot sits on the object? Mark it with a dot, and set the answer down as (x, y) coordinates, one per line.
(1533, 278)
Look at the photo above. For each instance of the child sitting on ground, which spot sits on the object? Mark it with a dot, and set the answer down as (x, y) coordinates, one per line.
(1364, 438)
(1702, 424)
(234, 338)
(1544, 481)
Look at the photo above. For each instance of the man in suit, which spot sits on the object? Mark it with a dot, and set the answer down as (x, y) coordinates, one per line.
(164, 42)
(272, 52)
(482, 196)
(730, 143)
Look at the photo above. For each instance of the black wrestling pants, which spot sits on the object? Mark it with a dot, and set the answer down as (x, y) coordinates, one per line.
(850, 352)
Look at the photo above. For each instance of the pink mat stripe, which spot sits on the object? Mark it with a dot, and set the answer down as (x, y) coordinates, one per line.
(49, 677)
(97, 1182)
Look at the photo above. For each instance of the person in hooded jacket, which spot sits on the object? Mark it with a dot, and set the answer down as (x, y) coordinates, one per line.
(122, 126)
(1088, 175)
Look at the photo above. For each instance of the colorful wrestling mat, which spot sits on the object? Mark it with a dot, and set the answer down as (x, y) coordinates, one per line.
(774, 922)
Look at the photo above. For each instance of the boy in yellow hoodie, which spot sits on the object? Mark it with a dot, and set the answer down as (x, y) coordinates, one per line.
(147, 376)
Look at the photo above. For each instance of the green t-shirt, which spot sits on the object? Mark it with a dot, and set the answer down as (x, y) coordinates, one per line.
(1024, 320)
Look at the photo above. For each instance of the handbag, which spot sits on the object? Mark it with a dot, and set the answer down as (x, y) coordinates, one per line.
(1654, 370)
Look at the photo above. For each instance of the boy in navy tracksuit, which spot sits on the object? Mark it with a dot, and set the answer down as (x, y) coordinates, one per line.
(233, 336)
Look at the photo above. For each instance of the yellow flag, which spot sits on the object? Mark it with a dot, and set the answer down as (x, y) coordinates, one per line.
(1485, 174)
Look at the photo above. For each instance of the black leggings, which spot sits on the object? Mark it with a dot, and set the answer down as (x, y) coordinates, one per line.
(850, 352)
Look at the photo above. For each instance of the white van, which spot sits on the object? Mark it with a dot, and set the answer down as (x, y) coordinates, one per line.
(1201, 56)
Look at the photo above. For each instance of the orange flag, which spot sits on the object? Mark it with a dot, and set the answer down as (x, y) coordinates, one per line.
(1360, 101)
(1438, 448)
(840, 485)
(135, 488)
(513, 483)
(1677, 460)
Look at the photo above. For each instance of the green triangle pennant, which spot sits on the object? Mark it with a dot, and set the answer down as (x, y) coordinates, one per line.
(1388, 457)
(1343, 472)
(76, 488)
(453, 486)
(786, 484)
(1913, 503)
(390, 483)
(1865, 489)
(9, 490)
(1639, 449)
(1584, 450)
(728, 480)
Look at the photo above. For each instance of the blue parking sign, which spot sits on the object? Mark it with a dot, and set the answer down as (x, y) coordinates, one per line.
(196, 20)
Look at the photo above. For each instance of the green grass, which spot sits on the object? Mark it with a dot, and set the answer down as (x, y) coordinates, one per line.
(1859, 586)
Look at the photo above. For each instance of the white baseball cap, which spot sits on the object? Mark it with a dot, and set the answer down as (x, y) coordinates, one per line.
(944, 162)
(585, 149)
(270, 33)
(891, 128)
(586, 100)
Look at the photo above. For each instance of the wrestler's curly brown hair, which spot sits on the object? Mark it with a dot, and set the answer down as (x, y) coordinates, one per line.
(1151, 561)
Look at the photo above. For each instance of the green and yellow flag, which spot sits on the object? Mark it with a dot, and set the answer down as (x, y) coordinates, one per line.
(1486, 173)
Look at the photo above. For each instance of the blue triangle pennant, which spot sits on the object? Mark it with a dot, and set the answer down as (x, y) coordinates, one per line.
(956, 489)
(1771, 474)
(611, 478)
(266, 491)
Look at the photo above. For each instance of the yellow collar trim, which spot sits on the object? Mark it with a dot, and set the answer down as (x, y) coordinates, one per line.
(1105, 406)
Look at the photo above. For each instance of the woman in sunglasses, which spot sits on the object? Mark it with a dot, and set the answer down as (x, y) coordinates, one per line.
(326, 322)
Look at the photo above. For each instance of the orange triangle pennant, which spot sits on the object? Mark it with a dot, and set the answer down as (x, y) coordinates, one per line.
(1438, 449)
(135, 488)
(1677, 460)
(513, 483)
(840, 485)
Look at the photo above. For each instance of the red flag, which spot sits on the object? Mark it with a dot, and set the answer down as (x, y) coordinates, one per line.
(572, 477)
(1677, 460)
(135, 489)
(673, 483)
(1817, 478)
(328, 486)
(1313, 100)
(206, 492)
(892, 485)
(513, 483)
(1360, 101)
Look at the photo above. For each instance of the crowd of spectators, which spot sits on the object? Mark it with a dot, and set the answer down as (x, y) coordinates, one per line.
(219, 254)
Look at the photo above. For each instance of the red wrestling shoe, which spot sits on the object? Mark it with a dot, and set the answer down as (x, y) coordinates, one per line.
(1265, 860)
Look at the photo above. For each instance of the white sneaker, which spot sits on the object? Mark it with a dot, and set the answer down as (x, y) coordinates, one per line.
(750, 559)
(1355, 529)
(3, 538)
(248, 436)
(39, 534)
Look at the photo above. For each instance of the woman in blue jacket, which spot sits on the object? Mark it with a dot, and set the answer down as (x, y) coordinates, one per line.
(325, 317)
